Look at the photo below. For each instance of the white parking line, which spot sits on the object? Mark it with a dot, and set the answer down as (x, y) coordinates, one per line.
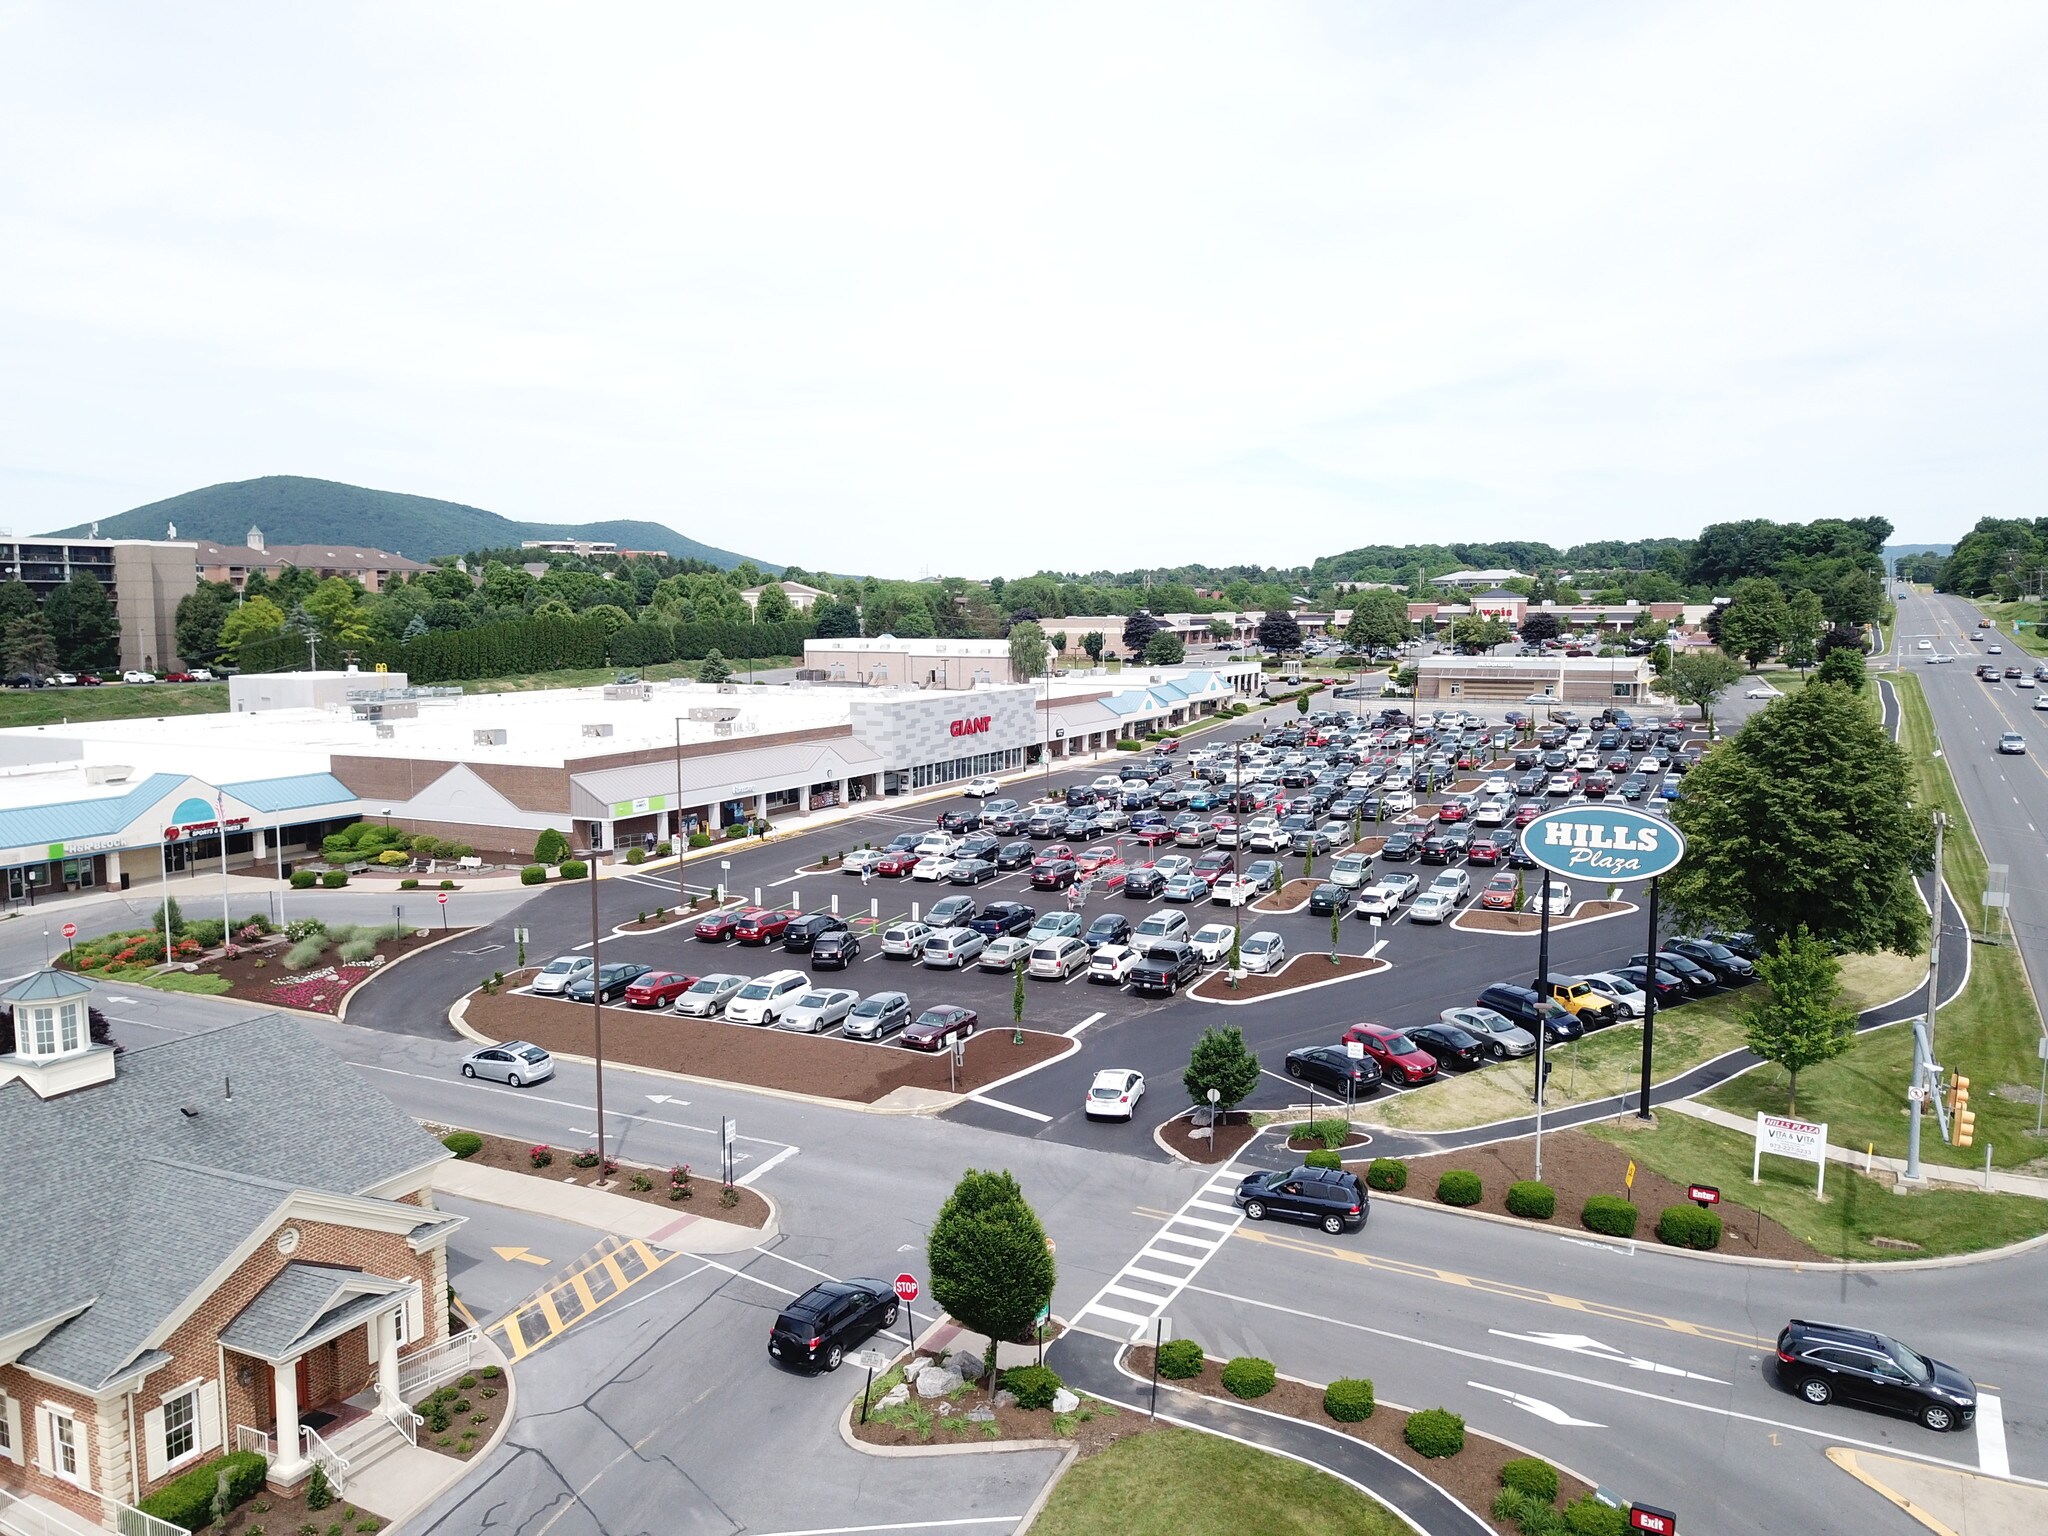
(1015, 1109)
(1991, 1436)
(785, 1153)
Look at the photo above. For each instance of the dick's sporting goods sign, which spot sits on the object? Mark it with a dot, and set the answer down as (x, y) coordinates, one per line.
(1600, 842)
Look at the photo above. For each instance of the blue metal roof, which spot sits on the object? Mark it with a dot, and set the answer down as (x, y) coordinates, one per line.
(28, 825)
(297, 793)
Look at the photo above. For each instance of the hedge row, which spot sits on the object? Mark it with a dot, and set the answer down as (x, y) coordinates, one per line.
(188, 1500)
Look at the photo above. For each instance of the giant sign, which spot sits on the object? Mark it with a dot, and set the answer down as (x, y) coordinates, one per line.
(973, 726)
(1603, 842)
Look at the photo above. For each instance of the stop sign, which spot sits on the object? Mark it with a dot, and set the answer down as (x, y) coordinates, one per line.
(906, 1287)
(442, 898)
(71, 930)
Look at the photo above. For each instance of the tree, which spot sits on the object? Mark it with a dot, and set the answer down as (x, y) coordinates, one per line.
(83, 623)
(26, 646)
(1279, 632)
(1802, 634)
(17, 601)
(1757, 621)
(1139, 629)
(1538, 626)
(914, 621)
(1221, 1061)
(773, 607)
(1165, 650)
(1801, 1021)
(1220, 630)
(1839, 639)
(833, 620)
(1379, 619)
(1806, 818)
(335, 608)
(1059, 644)
(1701, 677)
(1844, 667)
(256, 619)
(195, 629)
(1092, 643)
(712, 669)
(1473, 633)
(1027, 652)
(990, 1266)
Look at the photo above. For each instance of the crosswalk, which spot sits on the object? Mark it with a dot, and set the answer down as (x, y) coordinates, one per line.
(599, 1277)
(1127, 1306)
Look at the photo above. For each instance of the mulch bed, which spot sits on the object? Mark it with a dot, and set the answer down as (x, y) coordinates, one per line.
(517, 1156)
(1472, 1476)
(279, 1514)
(665, 917)
(469, 1428)
(744, 1054)
(1104, 1425)
(1369, 846)
(266, 982)
(1235, 1130)
(1530, 922)
(1299, 1143)
(1301, 971)
(1577, 1165)
(1288, 897)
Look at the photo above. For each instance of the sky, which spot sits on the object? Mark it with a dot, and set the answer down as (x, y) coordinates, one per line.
(976, 289)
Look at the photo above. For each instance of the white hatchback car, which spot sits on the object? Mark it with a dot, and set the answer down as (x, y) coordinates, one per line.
(1262, 952)
(1114, 1094)
(1111, 964)
(555, 976)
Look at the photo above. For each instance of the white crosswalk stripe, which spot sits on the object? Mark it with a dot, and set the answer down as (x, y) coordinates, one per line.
(1152, 1289)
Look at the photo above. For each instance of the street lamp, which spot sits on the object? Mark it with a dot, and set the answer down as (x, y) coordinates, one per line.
(596, 998)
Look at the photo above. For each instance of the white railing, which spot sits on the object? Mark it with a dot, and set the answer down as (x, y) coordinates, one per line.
(257, 1440)
(421, 1373)
(324, 1456)
(407, 1423)
(18, 1517)
(130, 1521)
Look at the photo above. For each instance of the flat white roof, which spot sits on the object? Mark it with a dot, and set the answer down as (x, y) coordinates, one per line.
(925, 646)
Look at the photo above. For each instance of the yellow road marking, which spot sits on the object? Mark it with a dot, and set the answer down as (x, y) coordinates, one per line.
(601, 1276)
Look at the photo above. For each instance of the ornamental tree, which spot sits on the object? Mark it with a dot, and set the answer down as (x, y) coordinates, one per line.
(991, 1269)
(1279, 631)
(1221, 1060)
(1801, 1021)
(1701, 677)
(1139, 629)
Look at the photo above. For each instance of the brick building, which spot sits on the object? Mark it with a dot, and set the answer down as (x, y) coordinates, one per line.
(212, 1243)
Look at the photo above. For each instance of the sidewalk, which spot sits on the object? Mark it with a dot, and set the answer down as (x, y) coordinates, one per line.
(684, 1232)
(1935, 1173)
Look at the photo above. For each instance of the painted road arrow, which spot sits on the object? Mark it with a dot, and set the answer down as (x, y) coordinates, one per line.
(662, 1098)
(1579, 1344)
(521, 1256)
(1537, 1406)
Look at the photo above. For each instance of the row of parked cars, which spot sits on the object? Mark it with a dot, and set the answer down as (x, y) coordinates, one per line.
(94, 680)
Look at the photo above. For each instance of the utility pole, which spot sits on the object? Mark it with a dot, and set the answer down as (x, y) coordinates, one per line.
(1940, 905)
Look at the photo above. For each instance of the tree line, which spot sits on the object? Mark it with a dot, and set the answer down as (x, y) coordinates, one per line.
(74, 628)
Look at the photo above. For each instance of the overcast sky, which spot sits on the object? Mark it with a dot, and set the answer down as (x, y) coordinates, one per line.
(972, 288)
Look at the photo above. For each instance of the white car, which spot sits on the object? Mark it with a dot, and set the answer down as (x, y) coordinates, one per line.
(1165, 926)
(1455, 881)
(860, 859)
(1005, 954)
(138, 677)
(1211, 942)
(1112, 964)
(933, 866)
(1763, 691)
(1432, 906)
(201, 675)
(815, 1012)
(982, 788)
(1491, 813)
(1926, 645)
(1626, 996)
(2012, 743)
(766, 998)
(2041, 702)
(555, 976)
(1379, 901)
(1399, 802)
(1560, 898)
(1108, 784)
(1114, 1094)
(1058, 959)
(935, 845)
(1496, 787)
(1262, 952)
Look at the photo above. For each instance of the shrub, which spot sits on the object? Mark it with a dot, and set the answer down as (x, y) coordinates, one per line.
(1348, 1399)
(700, 839)
(392, 856)
(1324, 1159)
(551, 847)
(1528, 1198)
(208, 931)
(447, 885)
(540, 1156)
(1034, 1385)
(663, 849)
(1609, 1215)
(408, 884)
(334, 879)
(737, 829)
(574, 869)
(636, 855)
(1534, 1516)
(533, 874)
(188, 1500)
(1387, 1174)
(1331, 1133)
(1531, 1475)
(302, 879)
(1179, 1359)
(305, 953)
(304, 928)
(1458, 1186)
(463, 1143)
(1587, 1516)
(1435, 1432)
(318, 1492)
(358, 949)
(1248, 1376)
(1687, 1226)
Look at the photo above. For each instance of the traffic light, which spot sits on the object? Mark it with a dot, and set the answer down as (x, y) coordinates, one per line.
(1964, 1129)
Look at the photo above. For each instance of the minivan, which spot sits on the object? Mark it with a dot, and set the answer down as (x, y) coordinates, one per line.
(762, 1000)
(1058, 959)
(951, 948)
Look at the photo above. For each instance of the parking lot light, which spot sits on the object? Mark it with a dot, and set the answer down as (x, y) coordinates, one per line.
(596, 1000)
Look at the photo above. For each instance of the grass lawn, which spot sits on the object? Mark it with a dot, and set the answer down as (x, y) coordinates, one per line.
(1987, 1034)
(590, 677)
(1181, 1482)
(2030, 639)
(1940, 1220)
(127, 701)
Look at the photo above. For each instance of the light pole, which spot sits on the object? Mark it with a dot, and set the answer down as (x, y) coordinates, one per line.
(675, 821)
(596, 999)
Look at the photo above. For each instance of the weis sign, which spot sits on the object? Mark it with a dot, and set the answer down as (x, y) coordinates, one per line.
(1602, 842)
(973, 727)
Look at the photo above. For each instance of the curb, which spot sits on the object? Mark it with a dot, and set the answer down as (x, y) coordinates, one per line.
(1159, 1139)
(1555, 923)
(1307, 986)
(340, 1014)
(484, 1452)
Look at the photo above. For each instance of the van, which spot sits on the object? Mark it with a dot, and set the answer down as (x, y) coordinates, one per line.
(951, 948)
(762, 1000)
(1521, 1005)
(1350, 870)
(1058, 959)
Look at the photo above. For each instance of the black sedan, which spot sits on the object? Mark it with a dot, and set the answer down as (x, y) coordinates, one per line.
(1450, 1045)
(1004, 917)
(1328, 898)
(1697, 979)
(971, 872)
(835, 951)
(1670, 990)
(1330, 1068)
(1718, 960)
(611, 982)
(1013, 855)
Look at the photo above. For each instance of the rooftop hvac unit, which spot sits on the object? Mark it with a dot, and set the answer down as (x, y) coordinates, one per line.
(108, 773)
(490, 738)
(628, 691)
(598, 727)
(386, 732)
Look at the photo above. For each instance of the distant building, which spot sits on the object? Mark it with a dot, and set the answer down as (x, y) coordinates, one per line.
(1596, 680)
(571, 546)
(1473, 581)
(146, 578)
(235, 563)
(801, 597)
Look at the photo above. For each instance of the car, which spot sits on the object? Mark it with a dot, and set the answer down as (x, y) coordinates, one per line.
(1055, 925)
(1334, 1070)
(1165, 967)
(1013, 855)
(2012, 743)
(971, 872)
(1454, 881)
(1351, 870)
(1057, 959)
(1262, 952)
(1054, 874)
(1165, 926)
(717, 927)
(1379, 900)
(1330, 1198)
(514, 1063)
(895, 863)
(860, 861)
(658, 989)
(1521, 1005)
(1697, 978)
(903, 941)
(1500, 893)
(951, 912)
(1399, 1057)
(1111, 964)
(1185, 887)
(802, 933)
(1005, 953)
(1114, 1094)
(1558, 899)
(1670, 990)
(606, 982)
(555, 976)
(1003, 917)
(877, 1016)
(1501, 1037)
(708, 995)
(761, 925)
(1211, 942)
(1433, 906)
(818, 1010)
(764, 999)
(1234, 891)
(132, 676)
(951, 948)
(981, 788)
(1627, 998)
(1327, 898)
(1718, 960)
(1762, 691)
(1580, 998)
(1451, 1044)
(938, 1027)
(1825, 1361)
(933, 866)
(1994, 650)
(835, 949)
(815, 1331)
(960, 821)
(1109, 928)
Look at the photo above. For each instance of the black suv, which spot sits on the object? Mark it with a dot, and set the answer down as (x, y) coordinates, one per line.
(805, 931)
(1331, 1067)
(1327, 1197)
(1524, 1007)
(1718, 960)
(1823, 1361)
(1400, 847)
(835, 950)
(815, 1331)
(1327, 898)
(1167, 967)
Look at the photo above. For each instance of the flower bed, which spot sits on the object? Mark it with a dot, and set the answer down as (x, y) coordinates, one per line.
(702, 1196)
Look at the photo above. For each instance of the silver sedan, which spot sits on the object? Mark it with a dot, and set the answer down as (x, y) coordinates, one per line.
(877, 1015)
(516, 1062)
(708, 995)
(815, 1012)
(1501, 1036)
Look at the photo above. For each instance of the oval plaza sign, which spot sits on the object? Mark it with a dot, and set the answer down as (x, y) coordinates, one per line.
(1603, 842)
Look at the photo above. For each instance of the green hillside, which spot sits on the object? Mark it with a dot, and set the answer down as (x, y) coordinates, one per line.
(293, 510)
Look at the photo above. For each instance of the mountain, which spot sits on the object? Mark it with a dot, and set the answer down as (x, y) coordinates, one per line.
(1895, 551)
(293, 510)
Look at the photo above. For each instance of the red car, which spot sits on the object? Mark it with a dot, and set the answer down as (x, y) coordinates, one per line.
(1054, 854)
(1451, 810)
(901, 862)
(757, 925)
(178, 677)
(1399, 1057)
(88, 680)
(1170, 746)
(1151, 834)
(1212, 866)
(936, 1028)
(720, 926)
(1484, 851)
(1527, 814)
(1095, 858)
(658, 989)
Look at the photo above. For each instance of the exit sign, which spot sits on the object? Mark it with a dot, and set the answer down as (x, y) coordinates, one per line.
(1647, 1517)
